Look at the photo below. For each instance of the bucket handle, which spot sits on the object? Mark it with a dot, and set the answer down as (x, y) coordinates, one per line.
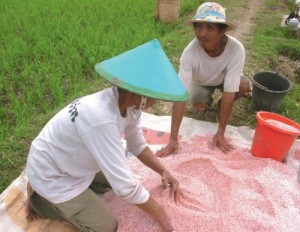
(257, 84)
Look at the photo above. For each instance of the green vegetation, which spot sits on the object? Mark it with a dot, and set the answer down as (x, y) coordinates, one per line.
(49, 49)
(276, 48)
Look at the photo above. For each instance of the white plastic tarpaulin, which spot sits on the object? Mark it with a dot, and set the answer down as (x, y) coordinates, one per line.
(222, 192)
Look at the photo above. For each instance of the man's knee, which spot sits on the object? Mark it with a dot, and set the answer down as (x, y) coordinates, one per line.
(244, 85)
(244, 89)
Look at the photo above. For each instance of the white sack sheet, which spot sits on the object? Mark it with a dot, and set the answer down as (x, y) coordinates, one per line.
(223, 192)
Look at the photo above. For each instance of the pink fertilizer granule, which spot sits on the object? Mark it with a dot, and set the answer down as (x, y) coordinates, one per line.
(297, 155)
(283, 126)
(222, 192)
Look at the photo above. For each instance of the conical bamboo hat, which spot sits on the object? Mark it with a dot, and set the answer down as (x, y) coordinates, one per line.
(145, 70)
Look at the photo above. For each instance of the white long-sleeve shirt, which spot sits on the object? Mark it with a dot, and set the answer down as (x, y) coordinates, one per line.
(82, 139)
(197, 67)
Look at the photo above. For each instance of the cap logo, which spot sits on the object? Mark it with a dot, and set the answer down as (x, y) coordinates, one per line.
(209, 14)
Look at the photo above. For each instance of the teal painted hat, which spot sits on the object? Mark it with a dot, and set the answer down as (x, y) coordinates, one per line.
(145, 70)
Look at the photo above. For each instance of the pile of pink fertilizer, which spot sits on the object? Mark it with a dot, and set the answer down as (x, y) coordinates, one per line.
(283, 126)
(223, 192)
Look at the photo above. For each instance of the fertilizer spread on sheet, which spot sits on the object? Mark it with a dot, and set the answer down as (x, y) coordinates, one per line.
(223, 192)
(297, 155)
(283, 126)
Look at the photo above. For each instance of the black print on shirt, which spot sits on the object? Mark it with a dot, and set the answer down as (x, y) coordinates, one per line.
(73, 109)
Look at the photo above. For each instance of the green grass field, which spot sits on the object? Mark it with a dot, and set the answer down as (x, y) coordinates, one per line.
(49, 49)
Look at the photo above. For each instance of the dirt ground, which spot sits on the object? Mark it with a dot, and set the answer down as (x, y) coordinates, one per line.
(243, 29)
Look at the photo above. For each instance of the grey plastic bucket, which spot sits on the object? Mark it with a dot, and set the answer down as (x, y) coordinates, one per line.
(269, 89)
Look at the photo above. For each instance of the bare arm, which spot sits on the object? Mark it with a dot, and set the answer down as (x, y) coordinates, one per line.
(177, 115)
(151, 206)
(226, 108)
(158, 213)
(151, 161)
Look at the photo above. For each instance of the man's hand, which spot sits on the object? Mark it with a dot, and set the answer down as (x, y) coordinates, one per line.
(169, 181)
(31, 215)
(220, 142)
(171, 148)
(225, 111)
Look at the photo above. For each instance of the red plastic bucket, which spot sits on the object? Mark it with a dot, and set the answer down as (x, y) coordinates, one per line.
(274, 136)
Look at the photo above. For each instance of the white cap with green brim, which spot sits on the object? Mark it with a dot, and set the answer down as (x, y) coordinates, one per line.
(145, 70)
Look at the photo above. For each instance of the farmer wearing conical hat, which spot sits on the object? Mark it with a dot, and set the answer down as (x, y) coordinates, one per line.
(79, 152)
(213, 60)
